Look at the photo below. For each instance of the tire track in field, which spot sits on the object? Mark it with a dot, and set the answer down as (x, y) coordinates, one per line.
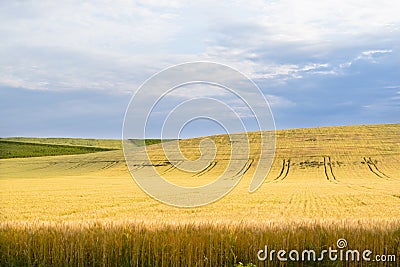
(71, 165)
(111, 164)
(137, 167)
(245, 168)
(248, 167)
(76, 165)
(140, 166)
(83, 164)
(207, 169)
(172, 167)
(374, 169)
(328, 170)
(284, 171)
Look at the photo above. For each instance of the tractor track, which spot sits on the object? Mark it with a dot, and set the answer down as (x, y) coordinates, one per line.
(248, 167)
(374, 169)
(77, 165)
(207, 169)
(244, 169)
(137, 167)
(172, 167)
(284, 171)
(330, 176)
(110, 165)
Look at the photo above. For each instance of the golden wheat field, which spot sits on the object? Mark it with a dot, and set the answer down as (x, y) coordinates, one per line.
(86, 210)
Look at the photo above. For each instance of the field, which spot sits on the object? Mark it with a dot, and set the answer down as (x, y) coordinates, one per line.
(11, 149)
(85, 210)
(79, 142)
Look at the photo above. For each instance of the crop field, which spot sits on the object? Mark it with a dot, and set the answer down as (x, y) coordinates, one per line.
(80, 142)
(100, 143)
(85, 210)
(11, 149)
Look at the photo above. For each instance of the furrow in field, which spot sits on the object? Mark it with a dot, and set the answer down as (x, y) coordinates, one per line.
(284, 171)
(249, 163)
(172, 167)
(207, 169)
(331, 168)
(372, 168)
(137, 167)
(326, 173)
(372, 162)
(328, 170)
(287, 169)
(245, 168)
(111, 164)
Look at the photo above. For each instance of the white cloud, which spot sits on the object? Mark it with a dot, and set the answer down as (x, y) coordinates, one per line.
(393, 87)
(369, 55)
(198, 90)
(326, 20)
(292, 71)
(279, 102)
(51, 45)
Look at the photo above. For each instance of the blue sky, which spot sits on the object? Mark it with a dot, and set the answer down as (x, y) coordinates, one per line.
(69, 68)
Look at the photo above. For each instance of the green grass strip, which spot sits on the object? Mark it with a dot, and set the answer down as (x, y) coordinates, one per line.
(11, 149)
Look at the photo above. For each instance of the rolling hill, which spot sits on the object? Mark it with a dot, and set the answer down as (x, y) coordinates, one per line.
(86, 210)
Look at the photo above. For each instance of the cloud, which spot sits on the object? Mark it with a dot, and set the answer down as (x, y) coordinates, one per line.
(80, 45)
(292, 71)
(393, 87)
(312, 27)
(279, 102)
(372, 56)
(308, 57)
(199, 90)
(371, 53)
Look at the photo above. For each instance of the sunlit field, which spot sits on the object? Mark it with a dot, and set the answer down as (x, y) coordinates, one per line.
(86, 210)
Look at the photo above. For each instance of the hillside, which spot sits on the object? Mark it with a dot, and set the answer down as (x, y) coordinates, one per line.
(320, 174)
(85, 142)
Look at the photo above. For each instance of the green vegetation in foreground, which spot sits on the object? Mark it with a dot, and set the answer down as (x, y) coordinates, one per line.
(11, 149)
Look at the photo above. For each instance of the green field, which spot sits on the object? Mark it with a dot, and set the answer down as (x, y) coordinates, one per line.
(11, 149)
(325, 184)
(99, 143)
(22, 147)
(82, 142)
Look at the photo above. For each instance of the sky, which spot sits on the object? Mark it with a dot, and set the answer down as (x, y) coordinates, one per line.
(70, 68)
